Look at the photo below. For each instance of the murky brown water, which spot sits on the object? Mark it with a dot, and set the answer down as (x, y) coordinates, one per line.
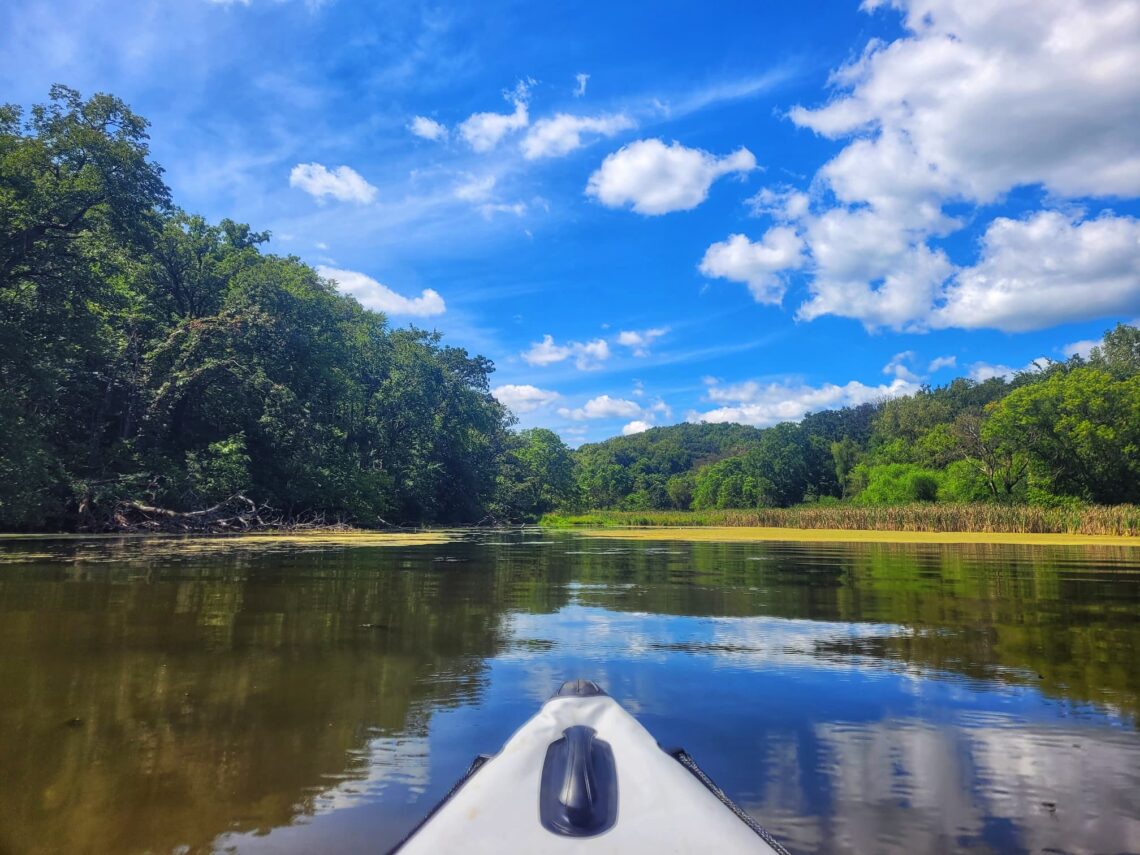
(854, 698)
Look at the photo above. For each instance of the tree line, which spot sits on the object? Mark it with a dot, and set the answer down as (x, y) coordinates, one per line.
(156, 366)
(155, 363)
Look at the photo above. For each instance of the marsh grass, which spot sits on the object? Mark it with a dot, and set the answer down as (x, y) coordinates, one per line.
(747, 534)
(1115, 520)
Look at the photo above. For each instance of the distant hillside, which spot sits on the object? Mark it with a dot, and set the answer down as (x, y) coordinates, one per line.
(1057, 434)
(635, 470)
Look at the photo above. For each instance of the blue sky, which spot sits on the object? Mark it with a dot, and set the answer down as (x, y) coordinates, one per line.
(737, 212)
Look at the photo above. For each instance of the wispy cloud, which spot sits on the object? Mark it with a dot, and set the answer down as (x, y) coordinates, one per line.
(726, 91)
(483, 131)
(900, 366)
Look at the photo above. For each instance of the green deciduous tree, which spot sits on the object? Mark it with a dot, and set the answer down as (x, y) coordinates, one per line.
(536, 475)
(1119, 353)
(1080, 430)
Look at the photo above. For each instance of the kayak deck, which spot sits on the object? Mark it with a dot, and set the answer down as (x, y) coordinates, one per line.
(583, 775)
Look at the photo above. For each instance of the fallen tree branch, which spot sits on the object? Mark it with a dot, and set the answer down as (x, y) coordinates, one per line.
(237, 513)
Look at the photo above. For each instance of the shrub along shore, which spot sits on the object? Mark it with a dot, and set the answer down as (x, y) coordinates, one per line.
(1115, 520)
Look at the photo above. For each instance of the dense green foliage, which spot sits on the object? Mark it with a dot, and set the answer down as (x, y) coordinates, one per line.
(151, 359)
(1063, 433)
(148, 356)
(652, 469)
(536, 475)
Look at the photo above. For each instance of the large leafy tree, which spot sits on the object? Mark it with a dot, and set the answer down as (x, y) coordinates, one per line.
(1119, 352)
(78, 200)
(1080, 430)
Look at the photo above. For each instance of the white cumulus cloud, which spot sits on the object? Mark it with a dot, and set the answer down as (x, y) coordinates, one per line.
(591, 354)
(523, 398)
(562, 133)
(972, 101)
(380, 298)
(343, 183)
(636, 426)
(602, 407)
(758, 264)
(766, 404)
(940, 362)
(654, 178)
(995, 95)
(867, 266)
(580, 81)
(427, 128)
(1047, 270)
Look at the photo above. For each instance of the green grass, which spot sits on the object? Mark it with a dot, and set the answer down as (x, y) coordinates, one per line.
(1118, 520)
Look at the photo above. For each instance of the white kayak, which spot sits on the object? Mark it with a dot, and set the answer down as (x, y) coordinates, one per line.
(583, 776)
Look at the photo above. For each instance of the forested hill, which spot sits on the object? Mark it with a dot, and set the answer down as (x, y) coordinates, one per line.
(640, 470)
(153, 364)
(658, 468)
(1059, 433)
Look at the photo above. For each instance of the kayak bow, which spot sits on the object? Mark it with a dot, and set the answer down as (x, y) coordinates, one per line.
(583, 775)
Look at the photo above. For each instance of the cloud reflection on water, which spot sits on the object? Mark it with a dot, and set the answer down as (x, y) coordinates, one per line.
(900, 758)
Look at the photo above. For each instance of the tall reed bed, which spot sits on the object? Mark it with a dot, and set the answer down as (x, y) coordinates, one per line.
(1020, 519)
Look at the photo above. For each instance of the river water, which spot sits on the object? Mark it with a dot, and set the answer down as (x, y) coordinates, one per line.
(170, 697)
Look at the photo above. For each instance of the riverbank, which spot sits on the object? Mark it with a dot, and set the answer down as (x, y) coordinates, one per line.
(742, 534)
(1100, 521)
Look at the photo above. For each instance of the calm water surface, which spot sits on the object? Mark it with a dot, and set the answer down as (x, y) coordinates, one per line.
(862, 698)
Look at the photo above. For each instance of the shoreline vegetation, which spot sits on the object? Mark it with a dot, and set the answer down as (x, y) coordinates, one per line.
(162, 373)
(742, 534)
(1115, 521)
